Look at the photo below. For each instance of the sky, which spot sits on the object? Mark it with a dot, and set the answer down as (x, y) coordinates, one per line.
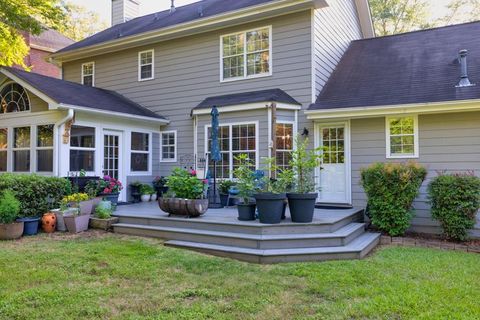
(103, 7)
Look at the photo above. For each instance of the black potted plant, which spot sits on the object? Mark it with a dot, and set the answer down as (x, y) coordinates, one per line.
(135, 191)
(224, 190)
(160, 185)
(302, 198)
(246, 186)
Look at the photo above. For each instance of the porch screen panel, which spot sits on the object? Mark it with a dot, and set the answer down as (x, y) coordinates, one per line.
(140, 152)
(45, 148)
(82, 149)
(3, 149)
(21, 149)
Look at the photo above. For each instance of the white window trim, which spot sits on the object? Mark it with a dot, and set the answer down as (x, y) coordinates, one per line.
(294, 142)
(7, 149)
(37, 148)
(29, 149)
(95, 153)
(415, 137)
(12, 114)
(246, 77)
(93, 73)
(161, 146)
(149, 152)
(140, 65)
(230, 152)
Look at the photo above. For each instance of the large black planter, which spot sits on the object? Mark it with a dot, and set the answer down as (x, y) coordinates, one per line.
(224, 199)
(270, 207)
(161, 191)
(246, 212)
(302, 206)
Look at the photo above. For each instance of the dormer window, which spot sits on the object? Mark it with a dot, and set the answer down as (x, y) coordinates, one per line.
(13, 98)
(88, 74)
(146, 65)
(246, 54)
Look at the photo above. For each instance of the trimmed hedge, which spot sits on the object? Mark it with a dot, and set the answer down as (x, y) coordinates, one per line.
(33, 192)
(455, 200)
(391, 189)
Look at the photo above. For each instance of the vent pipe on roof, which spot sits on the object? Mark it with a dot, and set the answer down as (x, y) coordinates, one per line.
(172, 7)
(464, 81)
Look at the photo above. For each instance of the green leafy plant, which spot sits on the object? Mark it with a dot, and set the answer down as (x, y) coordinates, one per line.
(9, 207)
(391, 189)
(185, 184)
(303, 164)
(245, 178)
(455, 200)
(283, 182)
(103, 213)
(225, 186)
(36, 193)
(159, 182)
(146, 189)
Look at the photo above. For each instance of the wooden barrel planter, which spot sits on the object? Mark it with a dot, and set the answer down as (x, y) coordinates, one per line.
(183, 207)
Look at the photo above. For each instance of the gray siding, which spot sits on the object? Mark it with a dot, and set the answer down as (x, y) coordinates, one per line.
(187, 71)
(448, 142)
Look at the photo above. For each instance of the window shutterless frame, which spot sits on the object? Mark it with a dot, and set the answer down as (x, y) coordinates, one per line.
(245, 54)
(147, 152)
(141, 64)
(92, 74)
(162, 159)
(416, 148)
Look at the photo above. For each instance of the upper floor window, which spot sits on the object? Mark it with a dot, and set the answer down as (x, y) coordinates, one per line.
(246, 54)
(402, 137)
(13, 98)
(88, 74)
(146, 65)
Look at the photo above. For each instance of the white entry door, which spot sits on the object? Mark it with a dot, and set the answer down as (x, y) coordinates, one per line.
(113, 157)
(334, 178)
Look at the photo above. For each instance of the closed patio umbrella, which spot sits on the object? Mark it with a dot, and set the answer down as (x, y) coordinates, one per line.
(215, 155)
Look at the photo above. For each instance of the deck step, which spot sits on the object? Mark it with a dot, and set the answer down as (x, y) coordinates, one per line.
(340, 237)
(356, 249)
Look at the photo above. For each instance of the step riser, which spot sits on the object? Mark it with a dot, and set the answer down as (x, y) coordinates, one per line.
(244, 243)
(257, 230)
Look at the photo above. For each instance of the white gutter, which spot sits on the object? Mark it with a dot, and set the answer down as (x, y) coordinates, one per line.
(57, 134)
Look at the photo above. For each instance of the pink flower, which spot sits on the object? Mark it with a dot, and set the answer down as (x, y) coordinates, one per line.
(193, 173)
(106, 190)
(205, 181)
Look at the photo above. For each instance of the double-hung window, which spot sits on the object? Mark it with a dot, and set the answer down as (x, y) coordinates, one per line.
(21, 149)
(246, 54)
(3, 149)
(284, 134)
(88, 74)
(234, 140)
(146, 62)
(44, 148)
(402, 137)
(168, 148)
(140, 152)
(82, 149)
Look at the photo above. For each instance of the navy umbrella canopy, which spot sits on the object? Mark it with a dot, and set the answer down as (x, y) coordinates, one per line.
(215, 155)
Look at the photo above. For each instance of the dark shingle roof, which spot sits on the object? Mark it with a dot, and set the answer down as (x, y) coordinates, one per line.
(272, 95)
(165, 19)
(51, 39)
(415, 67)
(70, 93)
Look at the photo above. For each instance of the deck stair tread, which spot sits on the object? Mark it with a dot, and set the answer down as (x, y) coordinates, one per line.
(340, 233)
(356, 246)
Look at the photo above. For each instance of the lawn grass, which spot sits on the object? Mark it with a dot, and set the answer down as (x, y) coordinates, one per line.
(117, 277)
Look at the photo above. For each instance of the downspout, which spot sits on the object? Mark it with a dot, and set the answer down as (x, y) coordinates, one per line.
(58, 136)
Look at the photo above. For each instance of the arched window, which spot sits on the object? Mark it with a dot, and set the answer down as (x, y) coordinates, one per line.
(13, 98)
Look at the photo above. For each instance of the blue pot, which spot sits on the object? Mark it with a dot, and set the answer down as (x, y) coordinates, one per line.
(30, 226)
(112, 197)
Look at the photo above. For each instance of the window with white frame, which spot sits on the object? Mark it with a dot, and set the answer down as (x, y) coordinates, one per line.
(146, 65)
(21, 149)
(284, 134)
(88, 74)
(234, 140)
(140, 152)
(44, 148)
(168, 150)
(246, 54)
(402, 137)
(14, 98)
(82, 149)
(3, 149)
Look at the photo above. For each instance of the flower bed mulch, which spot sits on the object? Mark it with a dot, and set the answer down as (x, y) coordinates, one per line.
(430, 241)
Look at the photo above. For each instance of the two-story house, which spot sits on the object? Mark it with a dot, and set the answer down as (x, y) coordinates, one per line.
(135, 99)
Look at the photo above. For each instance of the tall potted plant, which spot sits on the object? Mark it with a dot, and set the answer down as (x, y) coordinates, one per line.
(246, 186)
(302, 198)
(9, 210)
(224, 190)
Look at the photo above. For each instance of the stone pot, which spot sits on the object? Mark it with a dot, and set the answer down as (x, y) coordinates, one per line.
(11, 231)
(183, 207)
(302, 206)
(103, 224)
(145, 197)
(49, 222)
(59, 214)
(76, 224)
(153, 197)
(246, 212)
(270, 207)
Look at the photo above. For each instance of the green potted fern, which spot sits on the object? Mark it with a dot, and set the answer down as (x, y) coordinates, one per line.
(246, 186)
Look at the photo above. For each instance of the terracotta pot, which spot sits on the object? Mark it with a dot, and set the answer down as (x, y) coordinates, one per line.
(49, 222)
(183, 207)
(11, 231)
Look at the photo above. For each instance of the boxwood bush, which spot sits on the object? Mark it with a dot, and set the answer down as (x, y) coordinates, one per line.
(391, 189)
(455, 200)
(37, 194)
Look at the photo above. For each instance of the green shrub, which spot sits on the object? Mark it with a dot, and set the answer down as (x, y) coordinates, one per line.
(37, 194)
(146, 189)
(9, 207)
(184, 184)
(455, 200)
(391, 189)
(103, 213)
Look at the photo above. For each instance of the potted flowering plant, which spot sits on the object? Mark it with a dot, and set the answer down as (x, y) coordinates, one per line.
(186, 194)
(77, 220)
(108, 188)
(9, 210)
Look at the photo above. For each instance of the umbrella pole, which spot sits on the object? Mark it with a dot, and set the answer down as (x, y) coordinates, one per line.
(214, 204)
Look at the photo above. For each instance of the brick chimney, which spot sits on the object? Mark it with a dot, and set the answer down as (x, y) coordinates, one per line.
(124, 10)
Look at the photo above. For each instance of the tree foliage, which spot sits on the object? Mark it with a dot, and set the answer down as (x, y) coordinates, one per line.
(80, 23)
(462, 11)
